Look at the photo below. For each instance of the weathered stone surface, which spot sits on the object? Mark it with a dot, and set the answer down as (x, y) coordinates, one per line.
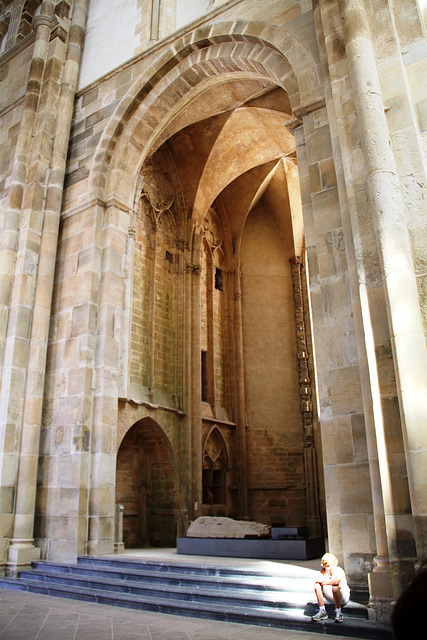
(218, 527)
(156, 343)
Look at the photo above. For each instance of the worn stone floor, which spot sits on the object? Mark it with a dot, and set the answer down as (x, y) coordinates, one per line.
(28, 616)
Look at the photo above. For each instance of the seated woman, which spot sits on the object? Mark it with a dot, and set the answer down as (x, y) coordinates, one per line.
(331, 585)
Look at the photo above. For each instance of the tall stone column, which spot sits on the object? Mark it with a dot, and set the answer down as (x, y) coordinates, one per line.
(12, 222)
(152, 313)
(22, 550)
(19, 253)
(241, 404)
(400, 287)
(194, 269)
(380, 586)
(100, 404)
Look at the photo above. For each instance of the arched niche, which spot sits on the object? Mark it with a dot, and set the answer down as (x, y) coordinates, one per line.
(146, 485)
(215, 466)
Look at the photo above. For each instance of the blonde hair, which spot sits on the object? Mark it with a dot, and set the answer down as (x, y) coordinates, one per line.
(330, 559)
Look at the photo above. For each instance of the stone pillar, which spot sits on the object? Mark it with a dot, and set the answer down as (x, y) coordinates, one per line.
(186, 467)
(211, 398)
(400, 287)
(119, 546)
(127, 315)
(12, 222)
(103, 417)
(152, 313)
(155, 20)
(196, 380)
(379, 579)
(311, 482)
(42, 203)
(241, 405)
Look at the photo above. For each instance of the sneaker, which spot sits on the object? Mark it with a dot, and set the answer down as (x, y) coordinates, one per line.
(338, 617)
(321, 615)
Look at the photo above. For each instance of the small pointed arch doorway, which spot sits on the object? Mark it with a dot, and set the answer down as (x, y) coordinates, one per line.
(216, 464)
(145, 486)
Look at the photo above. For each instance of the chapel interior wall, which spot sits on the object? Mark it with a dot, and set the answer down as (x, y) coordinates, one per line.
(274, 430)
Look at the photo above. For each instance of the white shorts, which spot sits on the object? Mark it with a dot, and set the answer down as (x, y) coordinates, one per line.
(328, 595)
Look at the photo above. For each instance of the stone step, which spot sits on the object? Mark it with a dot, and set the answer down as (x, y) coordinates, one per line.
(228, 594)
(109, 572)
(189, 568)
(239, 597)
(286, 618)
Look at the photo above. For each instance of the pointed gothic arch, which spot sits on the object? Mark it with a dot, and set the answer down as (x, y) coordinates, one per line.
(216, 464)
(153, 113)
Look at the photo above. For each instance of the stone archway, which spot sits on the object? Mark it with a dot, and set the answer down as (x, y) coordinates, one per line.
(232, 193)
(260, 89)
(145, 481)
(154, 108)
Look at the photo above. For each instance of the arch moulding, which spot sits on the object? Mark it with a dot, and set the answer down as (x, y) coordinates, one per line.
(220, 52)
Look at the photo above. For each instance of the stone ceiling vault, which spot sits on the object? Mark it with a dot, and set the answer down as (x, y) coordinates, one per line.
(231, 142)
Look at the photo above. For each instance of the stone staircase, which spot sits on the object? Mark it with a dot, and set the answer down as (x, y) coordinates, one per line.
(232, 594)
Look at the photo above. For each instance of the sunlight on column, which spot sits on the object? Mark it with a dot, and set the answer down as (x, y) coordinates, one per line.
(376, 402)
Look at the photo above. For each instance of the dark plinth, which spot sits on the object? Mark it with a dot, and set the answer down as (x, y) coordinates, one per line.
(262, 548)
(284, 533)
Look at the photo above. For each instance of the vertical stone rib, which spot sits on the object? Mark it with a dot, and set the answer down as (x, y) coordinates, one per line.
(22, 542)
(152, 315)
(210, 334)
(155, 20)
(242, 456)
(403, 308)
(196, 379)
(187, 374)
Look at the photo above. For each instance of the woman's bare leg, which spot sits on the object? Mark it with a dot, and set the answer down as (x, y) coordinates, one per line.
(336, 592)
(319, 594)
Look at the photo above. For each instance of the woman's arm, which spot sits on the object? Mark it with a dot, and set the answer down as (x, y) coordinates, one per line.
(321, 577)
(336, 577)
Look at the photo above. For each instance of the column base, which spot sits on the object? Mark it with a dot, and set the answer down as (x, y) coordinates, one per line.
(119, 547)
(380, 609)
(381, 592)
(20, 555)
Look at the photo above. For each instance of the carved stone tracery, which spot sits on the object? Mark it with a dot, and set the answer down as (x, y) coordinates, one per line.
(212, 229)
(215, 465)
(156, 188)
(310, 461)
(304, 375)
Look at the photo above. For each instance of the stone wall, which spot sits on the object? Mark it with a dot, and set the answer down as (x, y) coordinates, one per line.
(231, 105)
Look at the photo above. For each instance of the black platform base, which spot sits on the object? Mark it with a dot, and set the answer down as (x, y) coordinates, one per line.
(263, 548)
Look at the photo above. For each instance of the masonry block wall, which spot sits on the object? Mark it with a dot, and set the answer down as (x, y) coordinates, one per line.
(164, 310)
